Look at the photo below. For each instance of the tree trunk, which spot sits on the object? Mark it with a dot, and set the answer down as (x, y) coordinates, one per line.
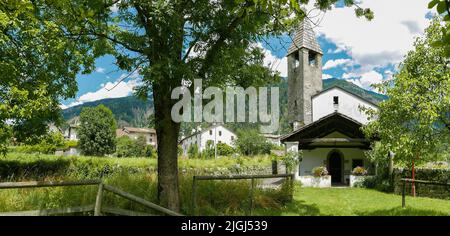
(167, 137)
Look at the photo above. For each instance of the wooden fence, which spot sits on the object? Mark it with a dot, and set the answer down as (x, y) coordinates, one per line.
(289, 177)
(417, 182)
(97, 207)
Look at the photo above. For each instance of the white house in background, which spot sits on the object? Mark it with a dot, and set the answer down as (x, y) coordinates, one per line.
(134, 133)
(327, 123)
(216, 134)
(70, 133)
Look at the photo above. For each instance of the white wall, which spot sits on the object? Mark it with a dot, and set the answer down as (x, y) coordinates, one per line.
(218, 134)
(348, 105)
(318, 157)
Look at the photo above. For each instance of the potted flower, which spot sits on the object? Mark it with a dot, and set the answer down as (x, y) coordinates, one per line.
(358, 175)
(319, 178)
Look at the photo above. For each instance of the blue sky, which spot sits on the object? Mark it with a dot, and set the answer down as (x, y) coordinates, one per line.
(354, 49)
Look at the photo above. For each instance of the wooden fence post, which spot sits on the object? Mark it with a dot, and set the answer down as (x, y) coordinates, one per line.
(251, 195)
(194, 196)
(98, 201)
(403, 194)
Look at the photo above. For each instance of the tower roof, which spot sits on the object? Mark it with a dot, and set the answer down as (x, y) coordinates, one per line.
(305, 38)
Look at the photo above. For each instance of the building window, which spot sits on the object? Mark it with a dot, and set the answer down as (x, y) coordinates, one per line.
(220, 133)
(312, 58)
(296, 60)
(335, 100)
(210, 132)
(232, 138)
(357, 162)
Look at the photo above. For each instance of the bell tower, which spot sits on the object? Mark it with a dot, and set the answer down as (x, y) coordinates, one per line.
(304, 75)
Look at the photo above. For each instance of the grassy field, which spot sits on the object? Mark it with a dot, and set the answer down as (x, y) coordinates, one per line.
(357, 202)
(138, 176)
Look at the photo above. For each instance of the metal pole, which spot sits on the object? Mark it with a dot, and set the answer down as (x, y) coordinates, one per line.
(215, 142)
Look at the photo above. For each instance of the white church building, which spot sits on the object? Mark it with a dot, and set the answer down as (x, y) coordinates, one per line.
(326, 123)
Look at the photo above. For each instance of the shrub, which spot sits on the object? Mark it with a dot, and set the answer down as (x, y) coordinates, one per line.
(209, 151)
(291, 160)
(224, 149)
(48, 145)
(250, 143)
(359, 171)
(320, 171)
(193, 151)
(127, 147)
(97, 131)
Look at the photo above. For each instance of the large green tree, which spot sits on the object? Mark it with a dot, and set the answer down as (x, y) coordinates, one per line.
(414, 122)
(37, 68)
(443, 9)
(167, 41)
(97, 131)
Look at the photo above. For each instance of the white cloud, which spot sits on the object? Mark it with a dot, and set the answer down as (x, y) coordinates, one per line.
(109, 90)
(365, 80)
(100, 70)
(379, 42)
(115, 8)
(273, 62)
(326, 76)
(335, 63)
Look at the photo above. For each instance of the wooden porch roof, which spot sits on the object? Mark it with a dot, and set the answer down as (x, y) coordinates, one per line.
(312, 135)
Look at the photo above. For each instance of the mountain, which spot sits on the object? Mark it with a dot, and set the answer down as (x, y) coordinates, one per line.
(355, 89)
(134, 112)
(127, 110)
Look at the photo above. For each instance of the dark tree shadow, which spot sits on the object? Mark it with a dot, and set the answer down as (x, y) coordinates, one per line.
(296, 207)
(399, 211)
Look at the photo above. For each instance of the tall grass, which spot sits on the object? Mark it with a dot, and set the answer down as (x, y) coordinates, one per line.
(136, 176)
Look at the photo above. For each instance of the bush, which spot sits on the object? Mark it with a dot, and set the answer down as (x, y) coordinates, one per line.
(48, 145)
(127, 147)
(224, 149)
(193, 151)
(291, 160)
(320, 171)
(97, 131)
(359, 171)
(250, 143)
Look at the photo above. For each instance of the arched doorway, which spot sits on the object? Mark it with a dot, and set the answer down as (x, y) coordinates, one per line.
(335, 166)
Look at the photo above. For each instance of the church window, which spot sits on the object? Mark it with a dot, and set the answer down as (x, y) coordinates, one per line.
(335, 100)
(312, 58)
(297, 60)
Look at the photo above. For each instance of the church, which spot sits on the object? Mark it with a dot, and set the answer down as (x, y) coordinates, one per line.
(326, 122)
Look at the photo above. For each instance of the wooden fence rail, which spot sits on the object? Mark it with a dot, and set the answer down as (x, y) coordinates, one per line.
(417, 182)
(289, 177)
(98, 207)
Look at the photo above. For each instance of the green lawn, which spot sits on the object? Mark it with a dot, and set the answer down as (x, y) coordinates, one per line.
(357, 202)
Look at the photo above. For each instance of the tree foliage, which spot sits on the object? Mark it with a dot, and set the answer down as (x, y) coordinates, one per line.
(97, 131)
(250, 143)
(37, 68)
(415, 121)
(167, 41)
(128, 147)
(443, 9)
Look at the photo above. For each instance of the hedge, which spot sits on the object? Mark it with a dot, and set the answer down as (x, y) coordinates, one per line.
(427, 174)
(21, 166)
